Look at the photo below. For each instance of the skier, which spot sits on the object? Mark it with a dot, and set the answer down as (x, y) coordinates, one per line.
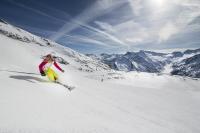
(45, 68)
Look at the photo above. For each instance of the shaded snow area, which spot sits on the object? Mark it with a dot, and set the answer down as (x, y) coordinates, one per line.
(103, 101)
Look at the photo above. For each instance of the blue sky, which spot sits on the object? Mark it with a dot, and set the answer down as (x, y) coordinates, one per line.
(111, 26)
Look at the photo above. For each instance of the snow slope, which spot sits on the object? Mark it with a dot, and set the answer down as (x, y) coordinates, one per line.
(122, 103)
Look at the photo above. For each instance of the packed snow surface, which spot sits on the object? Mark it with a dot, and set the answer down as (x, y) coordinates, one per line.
(103, 101)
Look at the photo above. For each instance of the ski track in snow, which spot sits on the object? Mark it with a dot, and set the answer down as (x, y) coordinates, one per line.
(138, 102)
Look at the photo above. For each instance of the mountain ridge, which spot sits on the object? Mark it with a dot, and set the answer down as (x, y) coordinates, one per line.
(153, 62)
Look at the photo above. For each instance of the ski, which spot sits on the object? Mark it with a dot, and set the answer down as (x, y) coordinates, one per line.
(70, 88)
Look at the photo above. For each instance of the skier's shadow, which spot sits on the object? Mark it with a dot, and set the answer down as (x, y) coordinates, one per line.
(13, 71)
(31, 79)
(27, 76)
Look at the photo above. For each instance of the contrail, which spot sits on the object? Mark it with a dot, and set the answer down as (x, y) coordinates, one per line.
(94, 11)
(36, 11)
(85, 39)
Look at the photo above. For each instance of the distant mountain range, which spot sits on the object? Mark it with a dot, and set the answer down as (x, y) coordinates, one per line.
(185, 63)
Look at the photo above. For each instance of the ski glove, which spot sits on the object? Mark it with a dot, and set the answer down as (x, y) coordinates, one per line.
(42, 73)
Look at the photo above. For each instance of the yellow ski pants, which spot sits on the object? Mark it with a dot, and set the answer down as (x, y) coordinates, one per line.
(52, 76)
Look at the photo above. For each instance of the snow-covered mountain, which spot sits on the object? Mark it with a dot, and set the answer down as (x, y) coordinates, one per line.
(103, 101)
(154, 62)
(188, 67)
(19, 34)
(186, 63)
(82, 62)
(136, 61)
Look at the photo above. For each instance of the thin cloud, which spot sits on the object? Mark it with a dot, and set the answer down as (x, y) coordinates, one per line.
(136, 6)
(167, 31)
(158, 28)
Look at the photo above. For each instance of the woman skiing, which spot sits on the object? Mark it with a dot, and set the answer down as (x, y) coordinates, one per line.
(45, 68)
